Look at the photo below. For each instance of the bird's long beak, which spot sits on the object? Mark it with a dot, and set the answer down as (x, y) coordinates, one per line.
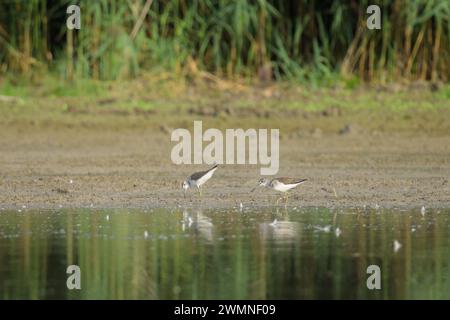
(256, 188)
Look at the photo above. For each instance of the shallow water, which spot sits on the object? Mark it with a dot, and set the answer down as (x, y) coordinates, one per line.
(225, 254)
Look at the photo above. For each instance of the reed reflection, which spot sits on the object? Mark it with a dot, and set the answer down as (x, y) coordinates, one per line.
(194, 253)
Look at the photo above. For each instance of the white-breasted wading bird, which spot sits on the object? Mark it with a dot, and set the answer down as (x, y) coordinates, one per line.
(197, 179)
(281, 184)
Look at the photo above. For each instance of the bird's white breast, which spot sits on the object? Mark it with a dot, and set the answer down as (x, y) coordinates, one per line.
(284, 187)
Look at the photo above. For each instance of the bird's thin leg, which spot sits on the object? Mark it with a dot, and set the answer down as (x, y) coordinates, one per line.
(278, 199)
(287, 197)
(200, 191)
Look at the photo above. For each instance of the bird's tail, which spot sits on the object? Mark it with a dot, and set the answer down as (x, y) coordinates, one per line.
(301, 181)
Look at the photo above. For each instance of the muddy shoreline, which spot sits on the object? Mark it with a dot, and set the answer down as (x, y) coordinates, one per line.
(52, 168)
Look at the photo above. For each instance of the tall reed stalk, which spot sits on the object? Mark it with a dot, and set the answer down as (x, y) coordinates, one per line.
(302, 40)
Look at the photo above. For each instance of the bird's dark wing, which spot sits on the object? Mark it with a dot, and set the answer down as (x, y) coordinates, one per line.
(198, 175)
(286, 180)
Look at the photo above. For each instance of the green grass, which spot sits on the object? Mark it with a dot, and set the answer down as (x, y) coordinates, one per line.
(152, 93)
(151, 102)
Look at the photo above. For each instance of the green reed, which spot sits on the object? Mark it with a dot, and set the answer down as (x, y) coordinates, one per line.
(302, 40)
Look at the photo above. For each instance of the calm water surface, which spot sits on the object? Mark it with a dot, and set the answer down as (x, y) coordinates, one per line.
(225, 254)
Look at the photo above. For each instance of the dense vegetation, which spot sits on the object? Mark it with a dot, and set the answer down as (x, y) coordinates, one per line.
(300, 40)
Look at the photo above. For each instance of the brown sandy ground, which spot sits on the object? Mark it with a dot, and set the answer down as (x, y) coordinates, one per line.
(109, 146)
(51, 166)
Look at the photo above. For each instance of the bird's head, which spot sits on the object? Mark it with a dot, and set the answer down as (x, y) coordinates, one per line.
(185, 186)
(263, 182)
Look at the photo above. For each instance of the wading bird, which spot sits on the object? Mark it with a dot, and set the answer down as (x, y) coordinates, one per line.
(281, 185)
(198, 179)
